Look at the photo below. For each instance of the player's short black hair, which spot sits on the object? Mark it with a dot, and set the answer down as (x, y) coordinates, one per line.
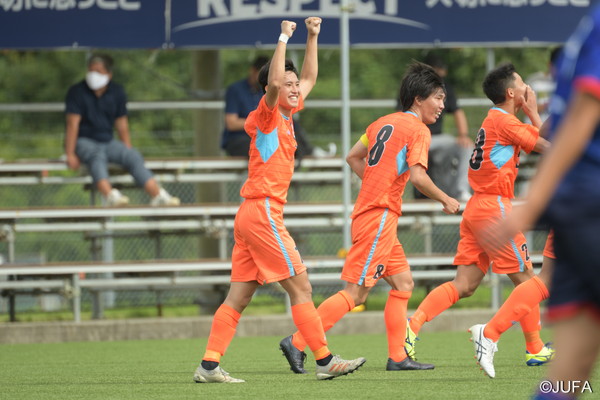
(263, 74)
(420, 80)
(497, 81)
(103, 59)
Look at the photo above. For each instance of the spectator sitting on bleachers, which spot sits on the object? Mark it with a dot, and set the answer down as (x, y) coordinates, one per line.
(94, 107)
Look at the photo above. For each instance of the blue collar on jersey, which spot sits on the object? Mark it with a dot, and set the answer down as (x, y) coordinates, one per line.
(411, 112)
(499, 109)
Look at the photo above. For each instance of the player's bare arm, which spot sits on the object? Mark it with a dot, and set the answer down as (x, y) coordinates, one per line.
(310, 66)
(422, 181)
(277, 68)
(541, 145)
(356, 158)
(530, 107)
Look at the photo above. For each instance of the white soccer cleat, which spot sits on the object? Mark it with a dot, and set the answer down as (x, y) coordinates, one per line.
(484, 349)
(163, 198)
(116, 199)
(338, 367)
(217, 375)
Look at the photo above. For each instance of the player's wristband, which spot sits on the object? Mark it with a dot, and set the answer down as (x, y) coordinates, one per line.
(284, 38)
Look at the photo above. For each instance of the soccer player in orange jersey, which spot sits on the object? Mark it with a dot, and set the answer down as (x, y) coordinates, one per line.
(264, 251)
(393, 151)
(565, 193)
(492, 173)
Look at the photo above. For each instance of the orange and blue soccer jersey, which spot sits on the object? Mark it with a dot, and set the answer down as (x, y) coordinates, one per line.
(396, 142)
(492, 173)
(494, 164)
(271, 154)
(264, 251)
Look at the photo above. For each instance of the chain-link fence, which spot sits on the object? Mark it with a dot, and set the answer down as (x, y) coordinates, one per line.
(131, 246)
(178, 245)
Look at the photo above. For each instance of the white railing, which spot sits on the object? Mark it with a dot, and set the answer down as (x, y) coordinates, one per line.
(66, 278)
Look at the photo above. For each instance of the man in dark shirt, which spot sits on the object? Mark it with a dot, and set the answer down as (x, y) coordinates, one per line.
(94, 107)
(241, 98)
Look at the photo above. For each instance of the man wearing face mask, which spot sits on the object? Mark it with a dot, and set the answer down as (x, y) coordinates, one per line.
(94, 108)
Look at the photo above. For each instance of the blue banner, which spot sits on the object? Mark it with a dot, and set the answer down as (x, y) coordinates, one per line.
(35, 24)
(385, 23)
(30, 24)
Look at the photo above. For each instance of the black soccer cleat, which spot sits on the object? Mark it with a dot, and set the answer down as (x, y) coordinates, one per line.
(407, 365)
(294, 356)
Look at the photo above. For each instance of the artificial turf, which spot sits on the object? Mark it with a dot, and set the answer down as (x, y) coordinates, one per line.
(163, 369)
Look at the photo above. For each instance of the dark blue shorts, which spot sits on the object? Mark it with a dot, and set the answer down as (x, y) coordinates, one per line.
(576, 279)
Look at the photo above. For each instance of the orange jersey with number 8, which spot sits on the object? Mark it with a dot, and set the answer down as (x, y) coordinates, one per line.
(495, 161)
(396, 142)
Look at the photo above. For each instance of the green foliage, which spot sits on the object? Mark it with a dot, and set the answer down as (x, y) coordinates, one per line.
(155, 75)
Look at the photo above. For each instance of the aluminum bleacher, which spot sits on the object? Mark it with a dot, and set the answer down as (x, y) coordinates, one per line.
(211, 219)
(205, 170)
(69, 279)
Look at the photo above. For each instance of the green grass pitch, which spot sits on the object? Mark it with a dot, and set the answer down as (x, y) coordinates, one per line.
(163, 369)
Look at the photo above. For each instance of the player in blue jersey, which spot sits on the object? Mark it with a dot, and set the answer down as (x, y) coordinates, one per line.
(566, 193)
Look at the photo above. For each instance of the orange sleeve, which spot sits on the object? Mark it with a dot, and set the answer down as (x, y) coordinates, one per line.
(264, 118)
(418, 149)
(520, 134)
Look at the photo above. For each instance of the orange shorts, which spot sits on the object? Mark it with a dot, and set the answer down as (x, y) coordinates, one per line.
(479, 212)
(263, 251)
(549, 247)
(376, 251)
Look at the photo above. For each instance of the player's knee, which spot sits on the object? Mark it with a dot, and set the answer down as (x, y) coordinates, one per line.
(238, 302)
(465, 290)
(299, 295)
(407, 285)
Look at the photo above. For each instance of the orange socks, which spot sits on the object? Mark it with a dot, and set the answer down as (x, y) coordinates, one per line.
(395, 323)
(309, 324)
(438, 300)
(531, 326)
(330, 311)
(520, 306)
(222, 331)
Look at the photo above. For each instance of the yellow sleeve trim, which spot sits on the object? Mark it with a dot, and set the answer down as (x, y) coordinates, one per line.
(365, 140)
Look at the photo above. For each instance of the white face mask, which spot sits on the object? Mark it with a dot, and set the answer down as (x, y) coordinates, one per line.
(96, 80)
